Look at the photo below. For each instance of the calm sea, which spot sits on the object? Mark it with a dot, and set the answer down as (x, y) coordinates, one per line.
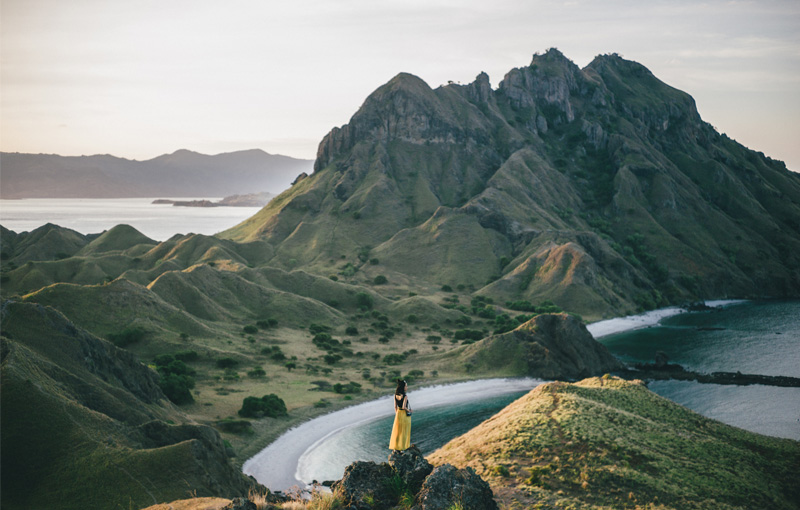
(752, 338)
(757, 338)
(92, 216)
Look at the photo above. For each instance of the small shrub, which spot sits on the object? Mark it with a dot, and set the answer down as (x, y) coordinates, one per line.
(351, 330)
(413, 319)
(447, 288)
(234, 426)
(379, 280)
(290, 366)
(127, 336)
(227, 363)
(350, 387)
(374, 262)
(250, 329)
(257, 373)
(394, 359)
(269, 405)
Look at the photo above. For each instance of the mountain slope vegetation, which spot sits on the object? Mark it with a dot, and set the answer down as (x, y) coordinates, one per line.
(598, 188)
(85, 424)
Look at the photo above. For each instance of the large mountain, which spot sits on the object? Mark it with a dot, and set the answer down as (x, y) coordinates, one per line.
(180, 174)
(599, 188)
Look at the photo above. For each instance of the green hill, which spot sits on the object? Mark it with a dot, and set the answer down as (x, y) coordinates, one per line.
(608, 443)
(85, 425)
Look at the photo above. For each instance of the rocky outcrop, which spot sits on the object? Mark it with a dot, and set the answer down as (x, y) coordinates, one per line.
(367, 485)
(447, 487)
(549, 346)
(407, 475)
(411, 466)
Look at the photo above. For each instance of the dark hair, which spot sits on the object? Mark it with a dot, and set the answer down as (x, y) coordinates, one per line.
(401, 387)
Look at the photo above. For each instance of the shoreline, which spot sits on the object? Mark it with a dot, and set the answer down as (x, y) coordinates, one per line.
(295, 445)
(652, 318)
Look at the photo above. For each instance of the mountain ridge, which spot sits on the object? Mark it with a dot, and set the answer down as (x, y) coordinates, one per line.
(183, 173)
(603, 182)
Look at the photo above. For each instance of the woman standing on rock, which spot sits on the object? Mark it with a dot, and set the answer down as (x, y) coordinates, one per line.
(401, 430)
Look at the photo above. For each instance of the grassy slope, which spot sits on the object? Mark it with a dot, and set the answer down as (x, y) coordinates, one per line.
(72, 405)
(608, 443)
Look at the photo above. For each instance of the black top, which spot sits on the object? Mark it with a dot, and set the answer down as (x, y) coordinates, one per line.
(398, 401)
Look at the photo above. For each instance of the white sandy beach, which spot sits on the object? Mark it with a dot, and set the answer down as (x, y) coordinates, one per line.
(282, 464)
(621, 324)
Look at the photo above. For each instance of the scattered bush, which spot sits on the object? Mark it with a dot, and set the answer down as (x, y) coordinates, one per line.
(364, 300)
(350, 387)
(468, 334)
(379, 280)
(351, 330)
(257, 373)
(290, 365)
(318, 328)
(269, 405)
(250, 329)
(394, 359)
(447, 288)
(331, 359)
(267, 323)
(127, 336)
(234, 426)
(227, 363)
(374, 262)
(413, 319)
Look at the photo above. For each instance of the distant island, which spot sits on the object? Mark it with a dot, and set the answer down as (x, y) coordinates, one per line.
(180, 174)
(246, 200)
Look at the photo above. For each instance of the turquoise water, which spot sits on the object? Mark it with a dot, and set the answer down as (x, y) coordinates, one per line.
(431, 428)
(753, 337)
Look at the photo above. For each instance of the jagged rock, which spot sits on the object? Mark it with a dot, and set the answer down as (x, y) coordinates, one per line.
(240, 504)
(448, 486)
(365, 485)
(411, 466)
(661, 359)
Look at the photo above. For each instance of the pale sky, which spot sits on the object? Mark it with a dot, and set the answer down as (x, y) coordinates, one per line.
(141, 78)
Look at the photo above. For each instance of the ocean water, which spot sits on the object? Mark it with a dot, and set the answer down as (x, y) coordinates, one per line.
(750, 337)
(430, 428)
(92, 216)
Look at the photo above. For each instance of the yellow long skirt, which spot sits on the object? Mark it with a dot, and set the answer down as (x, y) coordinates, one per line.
(401, 431)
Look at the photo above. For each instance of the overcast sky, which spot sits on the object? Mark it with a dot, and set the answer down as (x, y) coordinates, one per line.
(141, 78)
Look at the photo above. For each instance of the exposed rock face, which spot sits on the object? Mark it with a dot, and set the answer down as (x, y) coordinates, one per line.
(371, 486)
(549, 346)
(366, 485)
(448, 486)
(599, 188)
(411, 466)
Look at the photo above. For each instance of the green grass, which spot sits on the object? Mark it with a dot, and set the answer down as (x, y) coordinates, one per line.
(608, 443)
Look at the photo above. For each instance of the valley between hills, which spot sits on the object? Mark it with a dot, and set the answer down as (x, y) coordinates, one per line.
(445, 234)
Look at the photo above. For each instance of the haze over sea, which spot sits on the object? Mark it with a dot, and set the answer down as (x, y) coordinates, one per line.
(93, 216)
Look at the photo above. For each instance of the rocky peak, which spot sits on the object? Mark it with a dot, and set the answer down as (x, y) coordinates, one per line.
(480, 90)
(550, 80)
